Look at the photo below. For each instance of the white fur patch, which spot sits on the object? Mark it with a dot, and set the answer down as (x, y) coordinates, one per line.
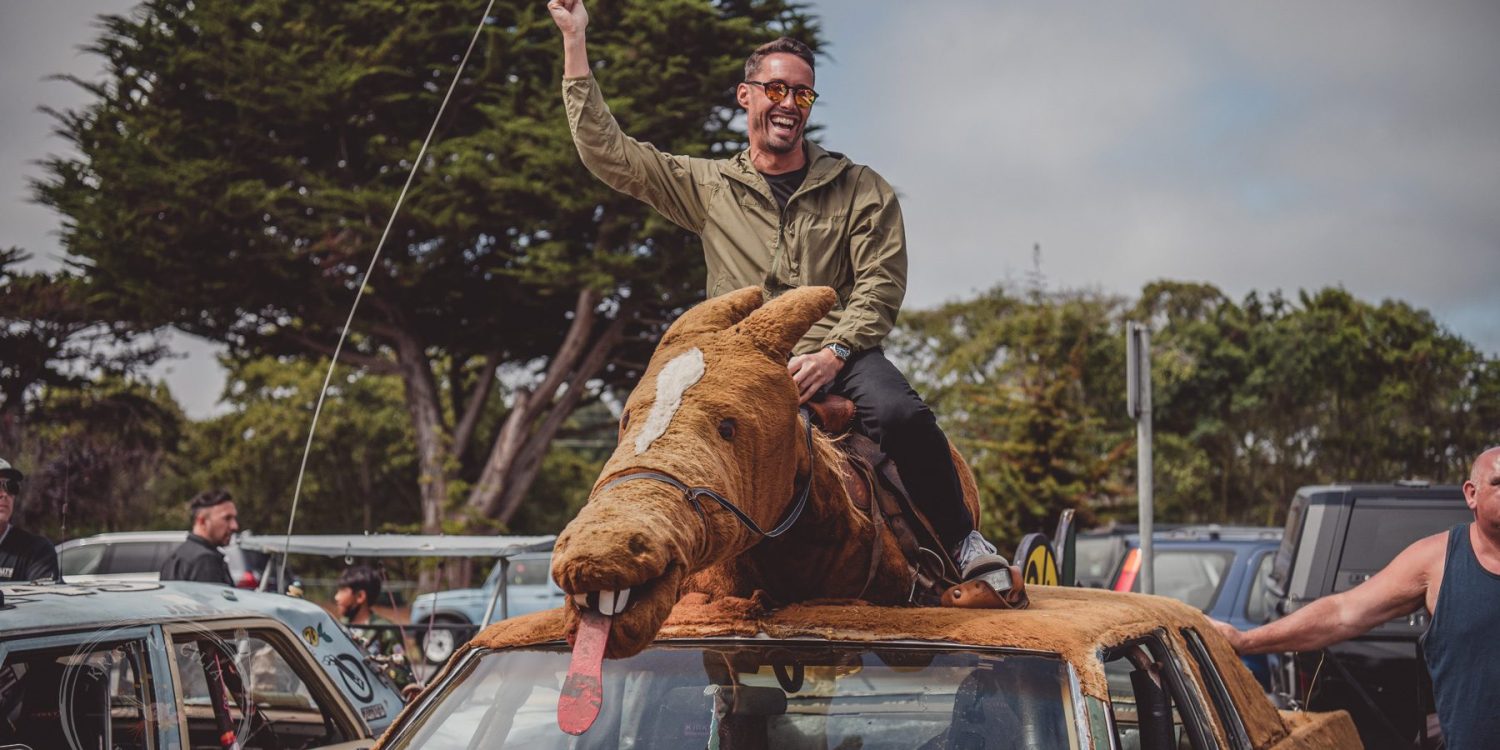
(680, 374)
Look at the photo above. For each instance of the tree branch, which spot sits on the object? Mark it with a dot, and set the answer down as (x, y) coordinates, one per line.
(475, 405)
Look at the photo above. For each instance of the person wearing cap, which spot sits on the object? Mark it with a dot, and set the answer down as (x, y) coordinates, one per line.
(24, 556)
(199, 559)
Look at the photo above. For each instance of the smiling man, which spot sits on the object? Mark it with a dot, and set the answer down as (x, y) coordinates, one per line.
(781, 214)
(24, 556)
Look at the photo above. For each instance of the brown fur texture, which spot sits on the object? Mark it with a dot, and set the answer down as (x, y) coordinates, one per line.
(738, 432)
(1077, 624)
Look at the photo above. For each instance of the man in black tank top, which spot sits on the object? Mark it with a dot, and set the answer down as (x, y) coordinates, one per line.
(1455, 575)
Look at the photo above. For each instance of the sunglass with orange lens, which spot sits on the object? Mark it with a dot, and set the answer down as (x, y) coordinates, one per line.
(776, 91)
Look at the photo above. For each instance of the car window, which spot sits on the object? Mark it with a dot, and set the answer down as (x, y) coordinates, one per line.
(777, 695)
(1149, 700)
(89, 695)
(1191, 576)
(138, 557)
(83, 560)
(1281, 569)
(534, 571)
(241, 681)
(1097, 559)
(1380, 528)
(1255, 607)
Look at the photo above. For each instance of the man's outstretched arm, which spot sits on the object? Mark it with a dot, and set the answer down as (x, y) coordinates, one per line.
(1399, 589)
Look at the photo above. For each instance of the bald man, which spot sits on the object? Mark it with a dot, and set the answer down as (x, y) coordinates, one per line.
(1462, 643)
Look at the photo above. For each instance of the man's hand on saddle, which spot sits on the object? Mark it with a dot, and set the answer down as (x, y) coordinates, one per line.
(813, 371)
(569, 15)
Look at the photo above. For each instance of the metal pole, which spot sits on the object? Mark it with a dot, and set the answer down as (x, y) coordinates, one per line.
(500, 596)
(1143, 463)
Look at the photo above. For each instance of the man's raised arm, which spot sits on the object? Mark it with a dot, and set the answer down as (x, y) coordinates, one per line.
(1398, 589)
(572, 18)
(676, 186)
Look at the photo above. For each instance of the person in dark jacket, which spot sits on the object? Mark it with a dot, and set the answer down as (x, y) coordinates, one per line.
(199, 559)
(1463, 656)
(24, 556)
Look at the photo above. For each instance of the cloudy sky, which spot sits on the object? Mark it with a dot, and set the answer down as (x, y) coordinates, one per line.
(1268, 145)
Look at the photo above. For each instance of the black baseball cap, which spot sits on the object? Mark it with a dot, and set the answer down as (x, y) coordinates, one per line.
(10, 472)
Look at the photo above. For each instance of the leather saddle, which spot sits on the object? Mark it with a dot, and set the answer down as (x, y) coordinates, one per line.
(876, 489)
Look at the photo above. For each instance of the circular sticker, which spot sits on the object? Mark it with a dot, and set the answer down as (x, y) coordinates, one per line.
(353, 675)
(1038, 560)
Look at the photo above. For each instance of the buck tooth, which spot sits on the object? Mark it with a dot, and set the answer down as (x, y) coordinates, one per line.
(621, 598)
(607, 602)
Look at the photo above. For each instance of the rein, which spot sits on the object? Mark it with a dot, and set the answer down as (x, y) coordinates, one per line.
(694, 495)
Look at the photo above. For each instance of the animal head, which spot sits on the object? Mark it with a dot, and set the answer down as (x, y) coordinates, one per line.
(715, 409)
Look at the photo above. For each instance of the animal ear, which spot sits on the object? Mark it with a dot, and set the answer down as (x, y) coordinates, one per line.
(713, 315)
(776, 327)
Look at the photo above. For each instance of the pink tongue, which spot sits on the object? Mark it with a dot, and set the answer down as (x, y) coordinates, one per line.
(582, 692)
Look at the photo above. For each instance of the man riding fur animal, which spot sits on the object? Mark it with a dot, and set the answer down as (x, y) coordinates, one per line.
(782, 214)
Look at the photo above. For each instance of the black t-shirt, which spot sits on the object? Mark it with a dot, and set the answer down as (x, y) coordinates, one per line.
(197, 560)
(783, 185)
(25, 556)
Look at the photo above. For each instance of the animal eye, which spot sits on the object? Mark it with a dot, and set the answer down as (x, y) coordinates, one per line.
(624, 422)
(726, 429)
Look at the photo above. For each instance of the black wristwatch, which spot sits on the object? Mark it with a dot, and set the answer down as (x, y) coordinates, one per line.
(839, 350)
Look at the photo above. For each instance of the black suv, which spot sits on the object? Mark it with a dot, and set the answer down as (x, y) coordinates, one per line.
(1336, 537)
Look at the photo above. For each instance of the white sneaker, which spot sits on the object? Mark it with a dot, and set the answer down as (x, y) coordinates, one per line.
(972, 547)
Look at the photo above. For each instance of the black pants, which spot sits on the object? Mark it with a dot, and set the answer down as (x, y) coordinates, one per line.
(895, 417)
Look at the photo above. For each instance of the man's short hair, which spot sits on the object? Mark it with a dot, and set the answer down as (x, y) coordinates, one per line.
(205, 500)
(361, 578)
(786, 45)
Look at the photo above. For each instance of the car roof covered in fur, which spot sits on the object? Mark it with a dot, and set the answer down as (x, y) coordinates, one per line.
(1073, 623)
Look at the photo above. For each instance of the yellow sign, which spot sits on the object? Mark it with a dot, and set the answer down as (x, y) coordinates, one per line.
(1041, 566)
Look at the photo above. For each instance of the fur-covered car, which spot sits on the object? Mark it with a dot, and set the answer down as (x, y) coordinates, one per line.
(1080, 669)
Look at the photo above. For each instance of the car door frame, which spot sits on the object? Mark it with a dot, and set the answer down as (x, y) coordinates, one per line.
(1188, 693)
(319, 681)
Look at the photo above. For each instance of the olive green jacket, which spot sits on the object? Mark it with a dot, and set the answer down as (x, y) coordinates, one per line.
(841, 229)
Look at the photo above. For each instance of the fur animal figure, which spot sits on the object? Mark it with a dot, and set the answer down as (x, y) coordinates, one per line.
(716, 409)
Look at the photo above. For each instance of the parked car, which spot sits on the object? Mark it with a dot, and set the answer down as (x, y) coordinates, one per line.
(1081, 668)
(1338, 536)
(131, 665)
(459, 612)
(139, 555)
(1221, 570)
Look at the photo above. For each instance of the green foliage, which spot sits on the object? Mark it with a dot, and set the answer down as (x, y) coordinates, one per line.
(1251, 399)
(1014, 380)
(361, 475)
(95, 456)
(235, 169)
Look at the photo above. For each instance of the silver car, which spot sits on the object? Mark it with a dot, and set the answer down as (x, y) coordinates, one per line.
(134, 665)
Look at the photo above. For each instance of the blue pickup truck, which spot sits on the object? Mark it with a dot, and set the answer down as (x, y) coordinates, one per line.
(458, 614)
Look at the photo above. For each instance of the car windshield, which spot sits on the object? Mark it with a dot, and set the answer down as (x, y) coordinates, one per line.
(776, 694)
(1190, 575)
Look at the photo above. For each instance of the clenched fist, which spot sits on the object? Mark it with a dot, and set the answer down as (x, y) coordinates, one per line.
(569, 15)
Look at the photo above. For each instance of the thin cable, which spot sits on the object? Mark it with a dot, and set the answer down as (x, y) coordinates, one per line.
(360, 293)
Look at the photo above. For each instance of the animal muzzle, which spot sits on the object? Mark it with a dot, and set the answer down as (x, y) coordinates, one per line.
(625, 556)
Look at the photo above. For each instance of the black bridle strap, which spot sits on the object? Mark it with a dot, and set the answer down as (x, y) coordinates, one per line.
(694, 495)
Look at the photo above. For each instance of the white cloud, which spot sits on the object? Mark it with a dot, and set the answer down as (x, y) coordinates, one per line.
(1254, 146)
